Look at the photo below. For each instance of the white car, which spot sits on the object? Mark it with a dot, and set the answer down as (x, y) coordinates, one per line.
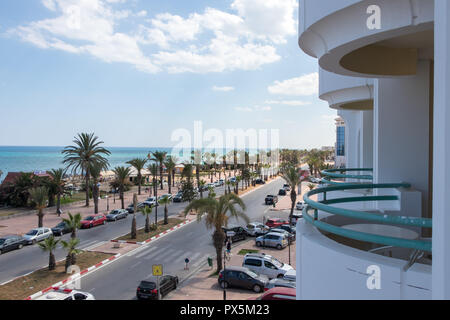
(38, 234)
(299, 205)
(266, 265)
(66, 294)
(256, 229)
(211, 185)
(291, 275)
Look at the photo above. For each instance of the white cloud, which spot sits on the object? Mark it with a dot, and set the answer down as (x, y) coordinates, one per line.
(304, 85)
(212, 41)
(296, 103)
(255, 108)
(223, 89)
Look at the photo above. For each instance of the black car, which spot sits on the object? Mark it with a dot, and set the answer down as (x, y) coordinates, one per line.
(260, 181)
(148, 289)
(178, 197)
(61, 229)
(288, 228)
(241, 277)
(239, 233)
(140, 205)
(9, 243)
(271, 199)
(282, 192)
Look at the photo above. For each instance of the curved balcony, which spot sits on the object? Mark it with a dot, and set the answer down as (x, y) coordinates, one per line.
(380, 226)
(345, 93)
(341, 174)
(345, 39)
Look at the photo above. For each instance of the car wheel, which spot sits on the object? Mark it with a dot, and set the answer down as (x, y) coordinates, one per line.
(257, 288)
(279, 246)
(91, 225)
(280, 276)
(20, 246)
(34, 241)
(224, 284)
(104, 222)
(61, 234)
(258, 244)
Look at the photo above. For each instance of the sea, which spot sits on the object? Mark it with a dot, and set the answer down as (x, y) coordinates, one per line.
(32, 159)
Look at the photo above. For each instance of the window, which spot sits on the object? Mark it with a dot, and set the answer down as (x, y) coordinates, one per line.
(268, 265)
(340, 141)
(253, 262)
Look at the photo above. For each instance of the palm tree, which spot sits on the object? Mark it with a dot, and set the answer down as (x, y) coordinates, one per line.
(160, 156)
(83, 155)
(146, 211)
(187, 172)
(293, 178)
(154, 171)
(138, 164)
(200, 187)
(57, 176)
(175, 161)
(73, 223)
(165, 201)
(197, 159)
(72, 251)
(216, 211)
(170, 166)
(39, 197)
(122, 175)
(133, 222)
(49, 245)
(96, 173)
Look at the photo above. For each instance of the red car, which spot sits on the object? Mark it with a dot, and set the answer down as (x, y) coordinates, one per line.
(93, 221)
(276, 222)
(279, 293)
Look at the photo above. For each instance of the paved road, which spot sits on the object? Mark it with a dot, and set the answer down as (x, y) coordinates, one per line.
(119, 280)
(20, 262)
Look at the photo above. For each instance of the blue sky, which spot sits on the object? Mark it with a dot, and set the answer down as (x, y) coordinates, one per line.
(133, 71)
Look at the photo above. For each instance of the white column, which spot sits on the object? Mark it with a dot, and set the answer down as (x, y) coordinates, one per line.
(401, 130)
(441, 161)
(366, 149)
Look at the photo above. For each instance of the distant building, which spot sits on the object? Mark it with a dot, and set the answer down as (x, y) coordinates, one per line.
(340, 143)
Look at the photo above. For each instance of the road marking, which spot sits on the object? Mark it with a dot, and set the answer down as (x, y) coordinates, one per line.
(136, 264)
(146, 252)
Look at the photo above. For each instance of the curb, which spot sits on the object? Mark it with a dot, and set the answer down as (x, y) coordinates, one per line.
(178, 226)
(74, 277)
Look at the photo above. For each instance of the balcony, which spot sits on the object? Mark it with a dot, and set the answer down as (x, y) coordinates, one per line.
(338, 241)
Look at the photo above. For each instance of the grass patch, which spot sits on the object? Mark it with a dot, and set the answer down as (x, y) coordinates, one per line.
(23, 287)
(243, 252)
(214, 274)
(142, 236)
(11, 211)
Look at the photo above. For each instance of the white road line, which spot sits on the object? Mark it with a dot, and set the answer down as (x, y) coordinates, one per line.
(136, 264)
(163, 254)
(146, 252)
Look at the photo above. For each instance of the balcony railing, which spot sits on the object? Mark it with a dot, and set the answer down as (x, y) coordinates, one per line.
(331, 174)
(325, 205)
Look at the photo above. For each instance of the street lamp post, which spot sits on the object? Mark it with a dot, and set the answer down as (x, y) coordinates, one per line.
(107, 203)
(224, 275)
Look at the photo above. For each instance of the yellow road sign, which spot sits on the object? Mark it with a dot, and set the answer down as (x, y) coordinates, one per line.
(157, 269)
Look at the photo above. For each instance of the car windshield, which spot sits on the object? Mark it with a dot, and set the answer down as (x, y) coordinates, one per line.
(89, 218)
(61, 225)
(277, 263)
(252, 274)
(250, 226)
(32, 233)
(114, 212)
(269, 196)
(2, 241)
(147, 285)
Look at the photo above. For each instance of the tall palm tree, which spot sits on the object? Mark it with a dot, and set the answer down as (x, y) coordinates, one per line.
(201, 186)
(154, 171)
(122, 175)
(96, 173)
(146, 211)
(73, 223)
(176, 161)
(218, 212)
(293, 178)
(133, 222)
(57, 177)
(197, 159)
(72, 251)
(170, 166)
(138, 164)
(39, 196)
(160, 156)
(49, 245)
(187, 172)
(165, 201)
(82, 155)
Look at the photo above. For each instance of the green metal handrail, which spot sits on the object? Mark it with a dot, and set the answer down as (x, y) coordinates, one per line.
(331, 173)
(325, 205)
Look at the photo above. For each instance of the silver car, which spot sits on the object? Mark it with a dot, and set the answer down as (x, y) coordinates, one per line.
(38, 234)
(279, 283)
(272, 239)
(117, 214)
(256, 229)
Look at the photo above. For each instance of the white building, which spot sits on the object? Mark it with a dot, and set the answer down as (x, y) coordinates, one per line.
(384, 67)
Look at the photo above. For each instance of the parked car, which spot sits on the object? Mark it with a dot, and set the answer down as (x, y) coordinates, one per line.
(260, 181)
(117, 214)
(167, 195)
(139, 206)
(288, 228)
(221, 182)
(61, 229)
(256, 229)
(288, 235)
(291, 275)
(239, 233)
(38, 234)
(93, 221)
(275, 240)
(148, 289)
(241, 277)
(9, 243)
(275, 222)
(265, 264)
(277, 283)
(178, 198)
(299, 205)
(295, 218)
(282, 192)
(271, 199)
(233, 179)
(151, 200)
(66, 294)
(279, 293)
(286, 187)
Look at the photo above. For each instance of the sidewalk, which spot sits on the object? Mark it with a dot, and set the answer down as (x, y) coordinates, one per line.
(202, 285)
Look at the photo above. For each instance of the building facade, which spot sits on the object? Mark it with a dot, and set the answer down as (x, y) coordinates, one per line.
(384, 234)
